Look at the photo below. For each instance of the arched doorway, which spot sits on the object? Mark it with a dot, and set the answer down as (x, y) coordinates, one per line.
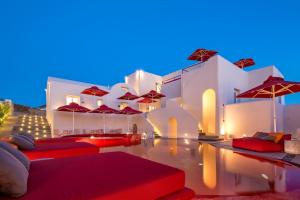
(172, 127)
(209, 111)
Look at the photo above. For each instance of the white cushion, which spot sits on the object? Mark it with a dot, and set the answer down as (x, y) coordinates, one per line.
(15, 152)
(13, 175)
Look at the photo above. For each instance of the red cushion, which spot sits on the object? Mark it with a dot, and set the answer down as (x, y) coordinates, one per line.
(114, 175)
(59, 150)
(255, 144)
(56, 140)
(183, 194)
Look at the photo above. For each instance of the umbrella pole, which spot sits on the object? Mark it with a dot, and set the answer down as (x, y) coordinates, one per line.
(274, 109)
(104, 124)
(73, 124)
(127, 124)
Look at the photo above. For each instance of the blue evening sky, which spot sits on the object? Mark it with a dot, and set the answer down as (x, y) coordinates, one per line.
(102, 41)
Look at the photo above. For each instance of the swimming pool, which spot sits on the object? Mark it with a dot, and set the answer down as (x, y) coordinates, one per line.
(215, 171)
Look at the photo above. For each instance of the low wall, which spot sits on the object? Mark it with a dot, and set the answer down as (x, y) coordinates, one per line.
(292, 118)
(244, 119)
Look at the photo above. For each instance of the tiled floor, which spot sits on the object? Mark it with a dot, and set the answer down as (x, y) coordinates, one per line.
(216, 171)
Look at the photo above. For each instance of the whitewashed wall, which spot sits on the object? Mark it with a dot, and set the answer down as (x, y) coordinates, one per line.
(187, 125)
(292, 118)
(244, 119)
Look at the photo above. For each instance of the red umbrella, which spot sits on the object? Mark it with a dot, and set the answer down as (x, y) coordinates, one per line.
(95, 91)
(129, 111)
(105, 110)
(146, 100)
(153, 95)
(245, 62)
(73, 107)
(271, 88)
(202, 55)
(128, 96)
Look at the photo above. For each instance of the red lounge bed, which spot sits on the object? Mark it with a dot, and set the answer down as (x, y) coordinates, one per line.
(113, 175)
(259, 145)
(59, 150)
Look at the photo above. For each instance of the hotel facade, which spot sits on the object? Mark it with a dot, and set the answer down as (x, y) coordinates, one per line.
(199, 98)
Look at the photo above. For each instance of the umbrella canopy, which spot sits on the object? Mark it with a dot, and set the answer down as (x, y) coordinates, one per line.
(153, 95)
(146, 100)
(128, 96)
(271, 88)
(245, 62)
(73, 107)
(202, 55)
(95, 91)
(130, 111)
(105, 110)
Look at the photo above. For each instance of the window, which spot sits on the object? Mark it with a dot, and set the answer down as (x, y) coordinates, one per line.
(123, 105)
(158, 87)
(236, 93)
(71, 98)
(99, 102)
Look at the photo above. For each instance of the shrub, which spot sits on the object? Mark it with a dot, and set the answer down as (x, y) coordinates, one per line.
(4, 111)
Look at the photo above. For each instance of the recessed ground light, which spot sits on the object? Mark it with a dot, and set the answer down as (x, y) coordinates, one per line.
(200, 164)
(37, 133)
(44, 135)
(29, 131)
(187, 149)
(21, 129)
(36, 138)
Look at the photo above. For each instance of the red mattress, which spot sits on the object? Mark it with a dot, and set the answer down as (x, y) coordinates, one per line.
(258, 145)
(59, 150)
(114, 175)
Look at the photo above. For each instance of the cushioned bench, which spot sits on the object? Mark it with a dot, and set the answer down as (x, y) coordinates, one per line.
(114, 175)
(59, 150)
(259, 145)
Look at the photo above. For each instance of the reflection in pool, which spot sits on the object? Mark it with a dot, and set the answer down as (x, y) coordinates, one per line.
(214, 171)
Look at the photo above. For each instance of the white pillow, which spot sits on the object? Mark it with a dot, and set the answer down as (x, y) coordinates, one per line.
(22, 142)
(13, 175)
(15, 152)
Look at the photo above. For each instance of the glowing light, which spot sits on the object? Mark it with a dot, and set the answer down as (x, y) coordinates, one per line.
(186, 141)
(44, 131)
(223, 129)
(21, 129)
(265, 176)
(126, 79)
(29, 126)
(22, 124)
(36, 138)
(44, 135)
(36, 129)
(37, 133)
(29, 131)
(185, 135)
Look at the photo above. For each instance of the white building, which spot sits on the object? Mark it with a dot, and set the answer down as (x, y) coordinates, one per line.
(199, 97)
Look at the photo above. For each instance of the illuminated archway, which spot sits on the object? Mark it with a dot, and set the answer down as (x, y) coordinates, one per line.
(172, 127)
(209, 111)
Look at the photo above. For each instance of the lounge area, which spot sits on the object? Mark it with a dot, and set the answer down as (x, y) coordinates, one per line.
(54, 168)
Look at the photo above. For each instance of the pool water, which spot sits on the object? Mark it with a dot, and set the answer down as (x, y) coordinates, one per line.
(215, 171)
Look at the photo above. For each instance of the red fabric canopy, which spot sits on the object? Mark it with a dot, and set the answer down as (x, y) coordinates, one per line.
(153, 95)
(73, 107)
(129, 96)
(202, 55)
(105, 109)
(130, 111)
(276, 86)
(245, 62)
(95, 91)
(146, 100)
